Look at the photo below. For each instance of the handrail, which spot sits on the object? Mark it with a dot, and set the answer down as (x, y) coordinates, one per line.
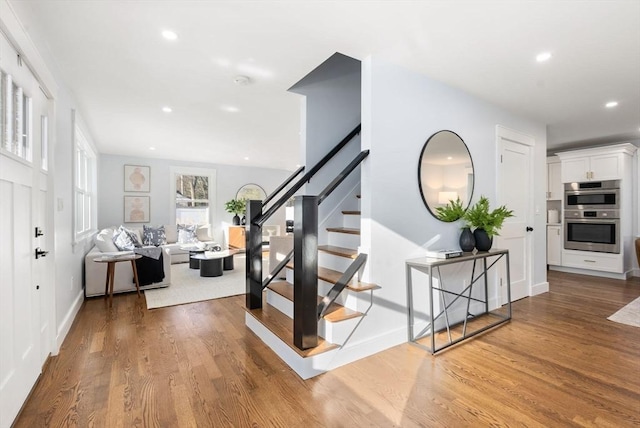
(331, 296)
(283, 185)
(284, 198)
(276, 270)
(340, 177)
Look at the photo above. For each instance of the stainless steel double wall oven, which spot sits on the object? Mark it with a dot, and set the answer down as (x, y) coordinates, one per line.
(592, 216)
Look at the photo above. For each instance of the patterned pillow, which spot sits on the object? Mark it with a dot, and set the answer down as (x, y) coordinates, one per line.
(153, 235)
(187, 234)
(125, 239)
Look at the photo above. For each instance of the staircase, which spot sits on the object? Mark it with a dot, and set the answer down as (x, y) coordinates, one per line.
(341, 317)
(309, 318)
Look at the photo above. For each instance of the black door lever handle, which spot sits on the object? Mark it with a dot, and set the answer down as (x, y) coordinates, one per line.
(40, 253)
(529, 229)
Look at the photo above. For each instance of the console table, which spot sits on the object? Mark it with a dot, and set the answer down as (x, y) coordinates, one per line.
(490, 319)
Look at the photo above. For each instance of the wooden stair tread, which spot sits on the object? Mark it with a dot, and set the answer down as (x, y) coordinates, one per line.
(351, 212)
(347, 230)
(282, 326)
(339, 251)
(332, 276)
(335, 313)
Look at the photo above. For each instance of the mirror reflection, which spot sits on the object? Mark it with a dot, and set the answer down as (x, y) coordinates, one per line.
(445, 171)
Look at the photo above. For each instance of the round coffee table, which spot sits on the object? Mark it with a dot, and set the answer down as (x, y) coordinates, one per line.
(212, 263)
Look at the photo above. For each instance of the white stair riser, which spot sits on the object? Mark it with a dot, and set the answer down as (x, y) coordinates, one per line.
(346, 240)
(351, 221)
(334, 332)
(334, 262)
(337, 332)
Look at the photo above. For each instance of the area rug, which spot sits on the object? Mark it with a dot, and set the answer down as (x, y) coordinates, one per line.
(187, 286)
(629, 315)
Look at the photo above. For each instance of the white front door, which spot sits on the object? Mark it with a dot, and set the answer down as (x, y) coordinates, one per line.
(515, 191)
(25, 312)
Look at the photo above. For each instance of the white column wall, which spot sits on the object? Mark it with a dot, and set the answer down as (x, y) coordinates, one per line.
(401, 109)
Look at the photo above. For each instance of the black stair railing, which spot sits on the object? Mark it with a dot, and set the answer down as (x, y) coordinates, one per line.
(256, 219)
(341, 284)
(305, 261)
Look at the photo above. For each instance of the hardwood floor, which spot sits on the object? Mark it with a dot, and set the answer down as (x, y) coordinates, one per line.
(560, 362)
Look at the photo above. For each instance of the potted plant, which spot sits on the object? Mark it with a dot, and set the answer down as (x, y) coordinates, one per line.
(486, 223)
(454, 211)
(235, 206)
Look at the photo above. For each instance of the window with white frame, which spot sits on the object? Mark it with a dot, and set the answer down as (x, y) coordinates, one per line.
(15, 118)
(192, 195)
(84, 171)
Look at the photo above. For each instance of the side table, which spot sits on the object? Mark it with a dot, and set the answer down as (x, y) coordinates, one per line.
(111, 268)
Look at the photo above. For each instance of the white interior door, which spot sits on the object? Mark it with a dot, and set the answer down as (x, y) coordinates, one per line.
(514, 191)
(26, 313)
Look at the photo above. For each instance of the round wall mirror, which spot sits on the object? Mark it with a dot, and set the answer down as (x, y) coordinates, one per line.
(445, 171)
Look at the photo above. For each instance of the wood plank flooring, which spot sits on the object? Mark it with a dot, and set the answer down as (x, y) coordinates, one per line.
(558, 363)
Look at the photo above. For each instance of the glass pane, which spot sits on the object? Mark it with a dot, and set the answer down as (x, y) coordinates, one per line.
(7, 118)
(79, 212)
(25, 135)
(16, 144)
(87, 213)
(192, 199)
(44, 142)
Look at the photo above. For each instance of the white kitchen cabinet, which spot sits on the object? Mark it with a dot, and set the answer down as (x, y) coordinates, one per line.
(603, 163)
(554, 245)
(554, 179)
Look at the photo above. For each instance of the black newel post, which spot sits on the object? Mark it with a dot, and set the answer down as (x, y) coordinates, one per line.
(254, 256)
(305, 273)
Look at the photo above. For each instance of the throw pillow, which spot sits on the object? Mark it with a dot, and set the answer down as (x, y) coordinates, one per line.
(186, 234)
(153, 235)
(104, 241)
(125, 239)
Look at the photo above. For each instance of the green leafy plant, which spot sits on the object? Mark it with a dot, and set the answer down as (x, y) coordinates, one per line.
(450, 212)
(479, 216)
(235, 206)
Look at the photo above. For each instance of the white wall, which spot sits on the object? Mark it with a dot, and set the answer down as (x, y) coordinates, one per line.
(331, 109)
(229, 180)
(401, 109)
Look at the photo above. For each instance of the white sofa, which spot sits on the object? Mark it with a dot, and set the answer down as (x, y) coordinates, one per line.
(95, 273)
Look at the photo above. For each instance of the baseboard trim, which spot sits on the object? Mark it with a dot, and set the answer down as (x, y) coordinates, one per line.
(67, 322)
(621, 276)
(540, 288)
(312, 366)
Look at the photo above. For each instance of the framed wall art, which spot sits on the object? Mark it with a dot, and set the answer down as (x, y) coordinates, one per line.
(136, 178)
(251, 192)
(136, 209)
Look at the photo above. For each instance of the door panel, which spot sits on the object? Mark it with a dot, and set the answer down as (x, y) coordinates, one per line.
(19, 315)
(514, 183)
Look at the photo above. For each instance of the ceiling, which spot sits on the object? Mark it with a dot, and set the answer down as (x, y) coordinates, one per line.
(112, 57)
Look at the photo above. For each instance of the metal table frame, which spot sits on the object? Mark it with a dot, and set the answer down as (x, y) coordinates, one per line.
(428, 265)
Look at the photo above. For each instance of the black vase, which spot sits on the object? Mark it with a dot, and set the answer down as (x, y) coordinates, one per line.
(467, 241)
(483, 241)
(236, 220)
(244, 220)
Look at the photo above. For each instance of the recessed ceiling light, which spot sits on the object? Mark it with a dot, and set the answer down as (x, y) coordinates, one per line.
(169, 35)
(611, 104)
(167, 109)
(152, 148)
(449, 158)
(246, 158)
(231, 109)
(543, 56)
(241, 80)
